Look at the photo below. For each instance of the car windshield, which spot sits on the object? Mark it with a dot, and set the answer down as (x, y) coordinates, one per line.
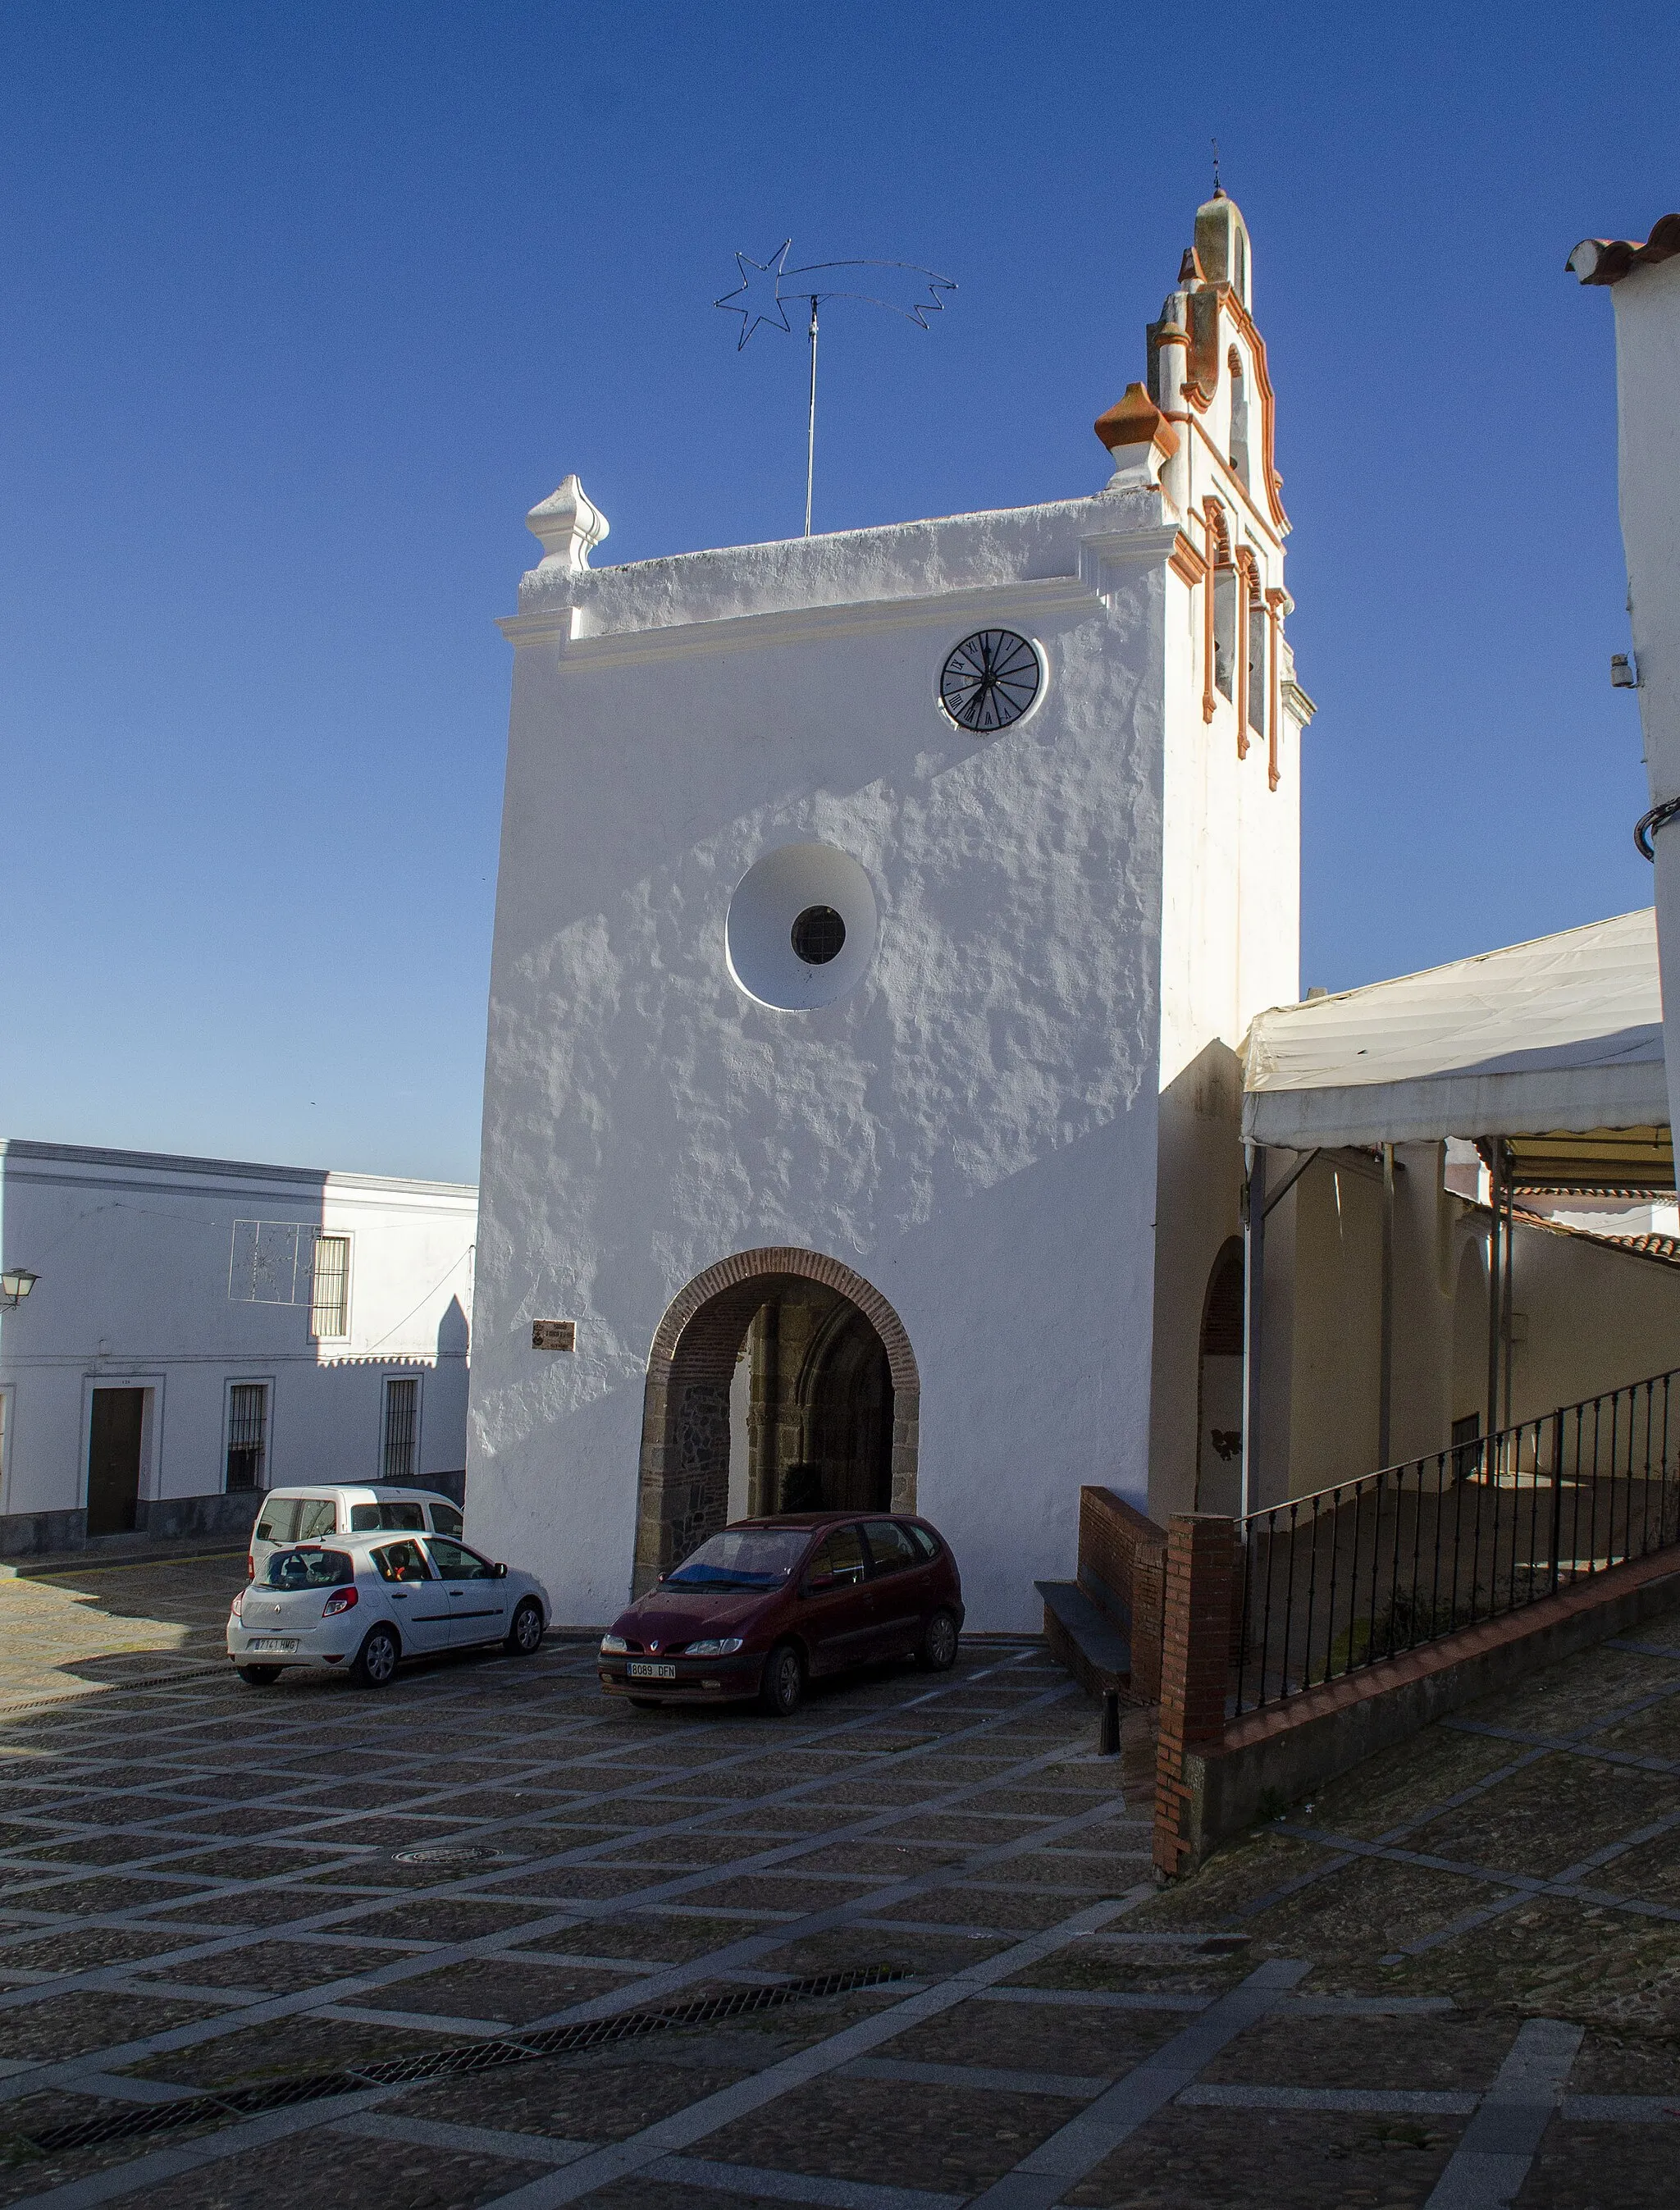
(310, 1569)
(743, 1558)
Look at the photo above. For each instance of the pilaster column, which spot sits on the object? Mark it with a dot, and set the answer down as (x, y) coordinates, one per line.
(1274, 703)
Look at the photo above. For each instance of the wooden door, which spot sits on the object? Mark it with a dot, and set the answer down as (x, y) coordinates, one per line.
(113, 1460)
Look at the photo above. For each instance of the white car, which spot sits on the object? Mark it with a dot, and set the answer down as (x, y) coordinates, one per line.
(305, 1515)
(361, 1603)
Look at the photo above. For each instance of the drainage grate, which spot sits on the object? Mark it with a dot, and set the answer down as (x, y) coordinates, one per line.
(135, 2124)
(448, 1853)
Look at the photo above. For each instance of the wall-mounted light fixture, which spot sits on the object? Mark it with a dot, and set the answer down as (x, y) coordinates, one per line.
(1623, 671)
(15, 1284)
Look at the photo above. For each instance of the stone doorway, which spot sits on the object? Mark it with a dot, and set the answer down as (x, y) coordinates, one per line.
(779, 1381)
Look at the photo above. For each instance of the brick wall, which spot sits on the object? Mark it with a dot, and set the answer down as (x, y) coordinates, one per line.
(1195, 1671)
(1127, 1553)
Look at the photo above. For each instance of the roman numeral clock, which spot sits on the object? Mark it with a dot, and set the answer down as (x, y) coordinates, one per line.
(990, 681)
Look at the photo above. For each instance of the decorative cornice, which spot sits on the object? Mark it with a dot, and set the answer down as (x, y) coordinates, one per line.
(1024, 599)
(1300, 705)
(553, 625)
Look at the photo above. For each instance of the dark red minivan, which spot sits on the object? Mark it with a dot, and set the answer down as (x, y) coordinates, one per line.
(768, 1604)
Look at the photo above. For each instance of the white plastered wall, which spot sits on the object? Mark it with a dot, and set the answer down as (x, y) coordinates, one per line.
(972, 1129)
(1230, 948)
(133, 1251)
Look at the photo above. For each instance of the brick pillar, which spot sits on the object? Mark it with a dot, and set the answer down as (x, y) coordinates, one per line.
(1195, 1670)
(1148, 1598)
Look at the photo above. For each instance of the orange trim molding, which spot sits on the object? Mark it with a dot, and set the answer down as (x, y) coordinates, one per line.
(1185, 562)
(1248, 584)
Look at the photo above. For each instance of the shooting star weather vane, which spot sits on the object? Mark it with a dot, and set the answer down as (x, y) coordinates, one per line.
(756, 301)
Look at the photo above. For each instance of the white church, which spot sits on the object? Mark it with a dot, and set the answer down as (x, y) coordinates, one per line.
(879, 916)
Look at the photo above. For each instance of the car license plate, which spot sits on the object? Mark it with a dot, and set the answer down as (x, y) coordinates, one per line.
(280, 1645)
(651, 1672)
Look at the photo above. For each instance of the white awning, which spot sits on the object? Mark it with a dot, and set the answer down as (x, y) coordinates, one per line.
(1565, 1033)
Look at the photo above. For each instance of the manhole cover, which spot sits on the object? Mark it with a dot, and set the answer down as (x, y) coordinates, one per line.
(448, 1853)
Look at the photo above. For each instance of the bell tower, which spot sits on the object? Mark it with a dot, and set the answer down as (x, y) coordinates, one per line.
(1230, 921)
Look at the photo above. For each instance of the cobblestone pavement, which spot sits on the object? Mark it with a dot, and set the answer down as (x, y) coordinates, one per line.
(67, 1630)
(901, 1952)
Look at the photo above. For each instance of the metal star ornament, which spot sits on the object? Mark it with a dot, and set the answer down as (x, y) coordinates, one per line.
(758, 303)
(906, 289)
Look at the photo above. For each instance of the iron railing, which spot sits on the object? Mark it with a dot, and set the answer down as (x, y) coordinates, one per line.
(1372, 1567)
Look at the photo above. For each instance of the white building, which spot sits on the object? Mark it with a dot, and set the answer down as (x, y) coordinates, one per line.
(878, 916)
(1646, 277)
(201, 1329)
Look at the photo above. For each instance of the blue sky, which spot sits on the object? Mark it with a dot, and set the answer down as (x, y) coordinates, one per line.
(305, 304)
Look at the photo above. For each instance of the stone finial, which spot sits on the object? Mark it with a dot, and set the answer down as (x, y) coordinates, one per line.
(569, 527)
(1137, 420)
(1140, 438)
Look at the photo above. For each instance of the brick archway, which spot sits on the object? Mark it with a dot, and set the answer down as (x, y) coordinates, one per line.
(683, 1490)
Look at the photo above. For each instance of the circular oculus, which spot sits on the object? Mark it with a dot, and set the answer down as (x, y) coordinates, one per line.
(800, 928)
(990, 680)
(818, 934)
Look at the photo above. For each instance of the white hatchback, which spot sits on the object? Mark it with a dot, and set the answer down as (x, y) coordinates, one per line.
(361, 1603)
(306, 1515)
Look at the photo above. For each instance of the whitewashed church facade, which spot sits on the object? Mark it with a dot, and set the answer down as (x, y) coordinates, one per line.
(877, 918)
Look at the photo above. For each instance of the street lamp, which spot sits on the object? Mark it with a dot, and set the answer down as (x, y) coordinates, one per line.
(16, 1284)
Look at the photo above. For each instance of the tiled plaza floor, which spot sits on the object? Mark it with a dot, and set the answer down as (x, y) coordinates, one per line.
(68, 1631)
(917, 1918)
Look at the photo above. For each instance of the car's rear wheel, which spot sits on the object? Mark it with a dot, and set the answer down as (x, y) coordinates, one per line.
(259, 1676)
(524, 1636)
(937, 1651)
(375, 1661)
(782, 1689)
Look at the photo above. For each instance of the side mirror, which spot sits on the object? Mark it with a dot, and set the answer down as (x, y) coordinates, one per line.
(818, 1584)
(499, 1571)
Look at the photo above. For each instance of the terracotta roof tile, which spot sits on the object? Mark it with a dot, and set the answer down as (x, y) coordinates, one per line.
(1664, 1248)
(1607, 260)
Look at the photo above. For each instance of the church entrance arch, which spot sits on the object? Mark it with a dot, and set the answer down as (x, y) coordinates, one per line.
(779, 1381)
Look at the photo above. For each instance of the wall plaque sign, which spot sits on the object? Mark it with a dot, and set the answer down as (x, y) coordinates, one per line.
(553, 1335)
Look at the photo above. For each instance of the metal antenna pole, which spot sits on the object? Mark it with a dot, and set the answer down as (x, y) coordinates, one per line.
(810, 428)
(899, 286)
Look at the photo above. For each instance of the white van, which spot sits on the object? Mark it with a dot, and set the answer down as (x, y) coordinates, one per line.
(304, 1515)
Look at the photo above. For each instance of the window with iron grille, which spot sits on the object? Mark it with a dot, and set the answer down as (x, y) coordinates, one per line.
(402, 1450)
(330, 1299)
(247, 1434)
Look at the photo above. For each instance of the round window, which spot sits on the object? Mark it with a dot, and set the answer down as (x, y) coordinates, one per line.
(819, 935)
(801, 926)
(990, 680)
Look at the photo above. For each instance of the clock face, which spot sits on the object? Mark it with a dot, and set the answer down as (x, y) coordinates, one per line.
(990, 680)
